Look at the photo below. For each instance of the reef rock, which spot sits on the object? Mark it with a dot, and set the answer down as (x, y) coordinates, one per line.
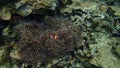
(24, 7)
(102, 51)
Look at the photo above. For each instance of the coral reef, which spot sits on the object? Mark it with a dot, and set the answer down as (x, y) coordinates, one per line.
(100, 25)
(24, 7)
(59, 33)
(104, 48)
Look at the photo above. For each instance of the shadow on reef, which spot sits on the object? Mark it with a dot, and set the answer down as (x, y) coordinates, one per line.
(7, 2)
(3, 24)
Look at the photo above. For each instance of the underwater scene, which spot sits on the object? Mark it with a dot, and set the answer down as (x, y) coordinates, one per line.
(59, 33)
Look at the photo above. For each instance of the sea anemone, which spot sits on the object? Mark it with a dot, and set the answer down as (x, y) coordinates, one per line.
(54, 38)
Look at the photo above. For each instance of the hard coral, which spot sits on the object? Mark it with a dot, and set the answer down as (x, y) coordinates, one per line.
(45, 41)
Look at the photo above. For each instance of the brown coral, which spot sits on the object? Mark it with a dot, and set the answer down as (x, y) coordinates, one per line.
(45, 41)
